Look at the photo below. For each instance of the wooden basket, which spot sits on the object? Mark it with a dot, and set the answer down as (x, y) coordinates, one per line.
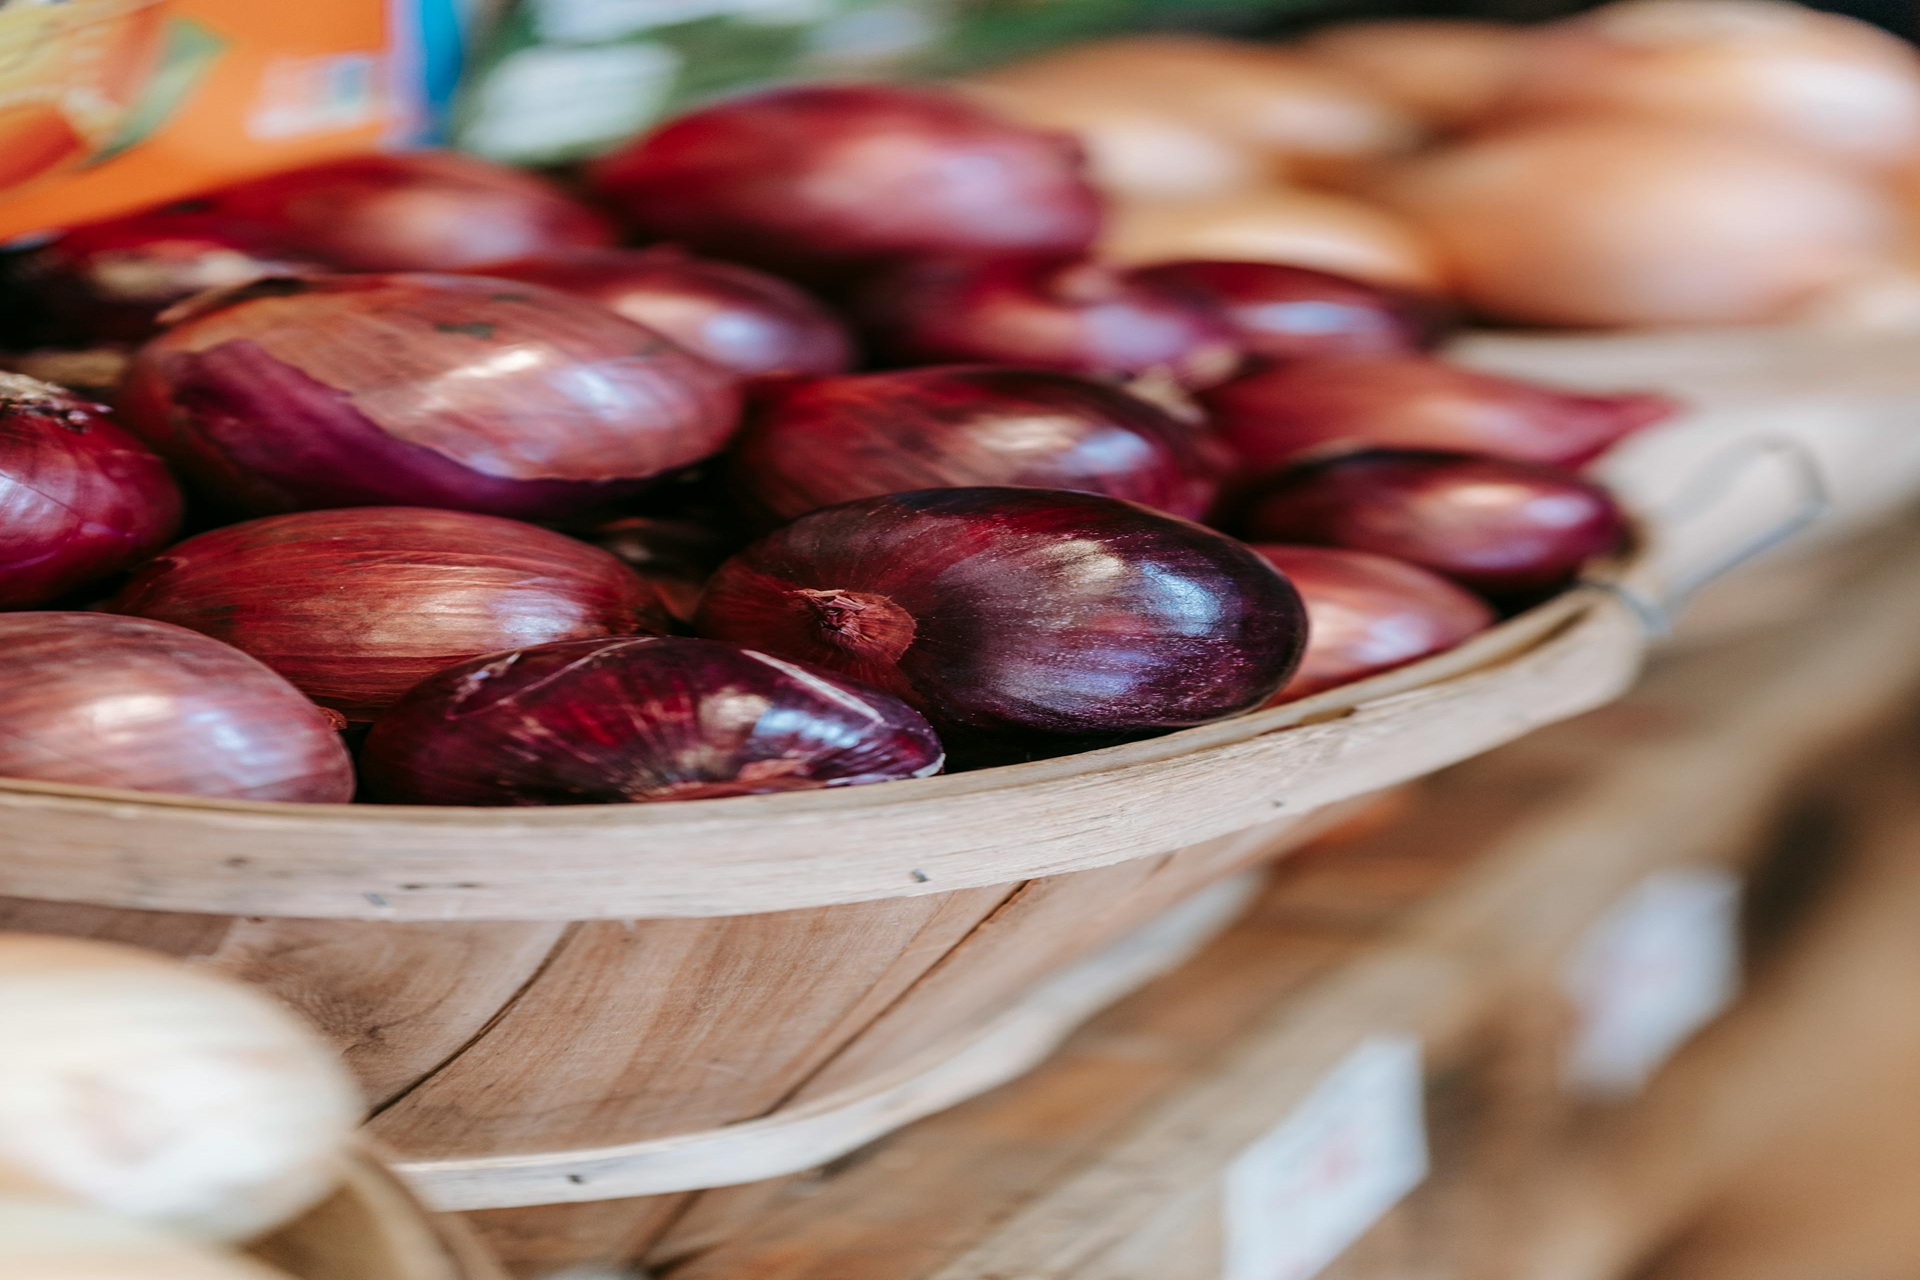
(372, 1228)
(568, 1006)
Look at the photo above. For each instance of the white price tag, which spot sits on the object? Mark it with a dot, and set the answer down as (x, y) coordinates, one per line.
(1659, 966)
(1296, 1199)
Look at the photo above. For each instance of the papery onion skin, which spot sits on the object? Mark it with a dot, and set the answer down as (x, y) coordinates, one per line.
(1271, 417)
(423, 211)
(1367, 614)
(421, 390)
(648, 719)
(1785, 74)
(1509, 530)
(357, 606)
(1020, 621)
(740, 319)
(79, 497)
(1281, 312)
(813, 442)
(814, 180)
(1605, 224)
(90, 699)
(109, 281)
(1069, 314)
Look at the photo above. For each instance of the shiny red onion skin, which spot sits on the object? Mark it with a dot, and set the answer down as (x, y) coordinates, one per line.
(1280, 312)
(1068, 314)
(107, 282)
(1020, 621)
(814, 181)
(79, 497)
(421, 211)
(1509, 530)
(1273, 416)
(421, 390)
(638, 719)
(94, 700)
(1367, 614)
(741, 319)
(813, 442)
(357, 606)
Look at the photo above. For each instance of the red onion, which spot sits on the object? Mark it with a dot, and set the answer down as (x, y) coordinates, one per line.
(739, 318)
(1281, 312)
(812, 442)
(425, 211)
(676, 556)
(109, 281)
(1503, 528)
(1272, 416)
(605, 721)
(1018, 620)
(357, 606)
(814, 179)
(79, 497)
(92, 700)
(1070, 314)
(421, 390)
(1367, 614)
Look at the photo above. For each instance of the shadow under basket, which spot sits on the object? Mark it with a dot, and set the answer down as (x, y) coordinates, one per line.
(372, 1228)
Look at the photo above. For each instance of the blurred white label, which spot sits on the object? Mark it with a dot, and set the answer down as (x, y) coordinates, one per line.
(1296, 1199)
(546, 99)
(1661, 965)
(299, 96)
(588, 21)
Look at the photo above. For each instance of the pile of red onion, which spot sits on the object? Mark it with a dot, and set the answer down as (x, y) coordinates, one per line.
(535, 519)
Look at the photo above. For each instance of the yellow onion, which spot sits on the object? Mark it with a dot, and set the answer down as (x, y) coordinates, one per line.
(1768, 69)
(46, 1241)
(1298, 228)
(1135, 150)
(1447, 72)
(1612, 223)
(1313, 114)
(132, 1084)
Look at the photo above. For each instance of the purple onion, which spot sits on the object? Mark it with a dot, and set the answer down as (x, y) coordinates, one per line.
(653, 718)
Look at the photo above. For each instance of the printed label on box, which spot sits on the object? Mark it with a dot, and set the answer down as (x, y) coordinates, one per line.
(1296, 1199)
(1660, 966)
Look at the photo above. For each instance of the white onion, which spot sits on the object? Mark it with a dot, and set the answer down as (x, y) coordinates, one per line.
(1606, 223)
(1768, 69)
(139, 1086)
(1135, 151)
(1300, 228)
(1446, 72)
(45, 1241)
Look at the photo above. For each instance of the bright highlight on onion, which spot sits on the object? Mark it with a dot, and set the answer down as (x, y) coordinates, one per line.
(357, 606)
(740, 319)
(1021, 621)
(1281, 312)
(813, 442)
(816, 179)
(136, 1085)
(1367, 614)
(1509, 530)
(1071, 314)
(89, 699)
(1271, 417)
(654, 718)
(79, 497)
(421, 390)
(424, 211)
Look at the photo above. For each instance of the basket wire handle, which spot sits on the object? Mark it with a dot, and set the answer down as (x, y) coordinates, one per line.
(1698, 494)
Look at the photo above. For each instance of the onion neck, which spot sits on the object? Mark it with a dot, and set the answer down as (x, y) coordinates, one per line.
(868, 626)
